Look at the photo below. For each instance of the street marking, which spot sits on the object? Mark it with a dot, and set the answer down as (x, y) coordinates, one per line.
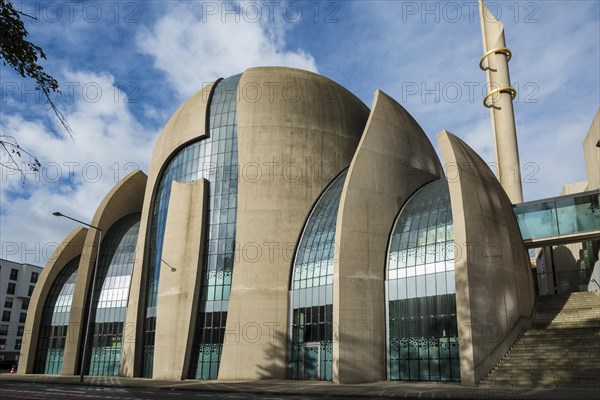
(65, 391)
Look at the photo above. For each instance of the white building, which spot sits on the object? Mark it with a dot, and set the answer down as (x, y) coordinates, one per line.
(16, 286)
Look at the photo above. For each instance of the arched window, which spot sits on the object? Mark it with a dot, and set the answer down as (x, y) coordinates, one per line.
(421, 300)
(215, 159)
(55, 321)
(312, 290)
(217, 269)
(111, 295)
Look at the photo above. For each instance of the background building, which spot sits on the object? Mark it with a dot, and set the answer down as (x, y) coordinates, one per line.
(17, 282)
(566, 266)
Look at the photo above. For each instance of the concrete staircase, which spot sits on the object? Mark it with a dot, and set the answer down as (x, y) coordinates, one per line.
(562, 349)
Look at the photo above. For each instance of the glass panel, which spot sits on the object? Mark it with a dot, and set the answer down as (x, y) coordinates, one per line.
(218, 266)
(566, 215)
(111, 295)
(54, 321)
(203, 159)
(422, 303)
(313, 279)
(537, 220)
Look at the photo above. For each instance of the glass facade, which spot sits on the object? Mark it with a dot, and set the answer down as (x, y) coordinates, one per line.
(214, 159)
(420, 291)
(312, 290)
(222, 155)
(565, 215)
(111, 295)
(54, 321)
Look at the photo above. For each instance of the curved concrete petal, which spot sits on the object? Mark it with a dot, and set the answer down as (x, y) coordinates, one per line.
(186, 125)
(394, 158)
(494, 282)
(125, 198)
(71, 247)
(296, 131)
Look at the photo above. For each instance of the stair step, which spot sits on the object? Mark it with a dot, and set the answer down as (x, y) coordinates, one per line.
(561, 350)
(541, 385)
(587, 373)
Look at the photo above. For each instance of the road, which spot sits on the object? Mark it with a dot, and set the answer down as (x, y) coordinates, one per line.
(41, 391)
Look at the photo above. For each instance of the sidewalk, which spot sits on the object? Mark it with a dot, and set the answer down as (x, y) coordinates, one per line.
(421, 390)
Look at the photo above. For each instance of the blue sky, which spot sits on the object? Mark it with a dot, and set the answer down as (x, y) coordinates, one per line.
(126, 66)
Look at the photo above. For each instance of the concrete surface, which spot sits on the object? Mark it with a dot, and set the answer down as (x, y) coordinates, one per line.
(591, 153)
(68, 249)
(502, 113)
(187, 124)
(296, 131)
(394, 159)
(123, 199)
(181, 279)
(407, 390)
(494, 283)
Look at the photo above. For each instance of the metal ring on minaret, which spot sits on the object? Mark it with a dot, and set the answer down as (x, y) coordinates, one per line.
(506, 89)
(503, 50)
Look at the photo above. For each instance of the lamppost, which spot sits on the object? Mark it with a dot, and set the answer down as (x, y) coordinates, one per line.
(89, 316)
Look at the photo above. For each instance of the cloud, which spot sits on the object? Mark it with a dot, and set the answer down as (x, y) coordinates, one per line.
(168, 50)
(75, 176)
(421, 54)
(193, 48)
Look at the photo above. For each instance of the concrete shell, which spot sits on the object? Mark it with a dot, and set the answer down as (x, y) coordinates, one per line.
(393, 160)
(299, 135)
(296, 131)
(494, 282)
(123, 199)
(70, 247)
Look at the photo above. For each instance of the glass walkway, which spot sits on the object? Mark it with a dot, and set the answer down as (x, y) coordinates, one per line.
(559, 220)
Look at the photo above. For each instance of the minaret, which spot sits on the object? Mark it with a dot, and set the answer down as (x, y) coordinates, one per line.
(499, 100)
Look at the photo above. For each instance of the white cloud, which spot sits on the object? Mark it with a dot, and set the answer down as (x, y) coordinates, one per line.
(193, 50)
(74, 177)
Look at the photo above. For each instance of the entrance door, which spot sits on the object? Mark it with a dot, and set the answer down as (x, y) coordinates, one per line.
(311, 361)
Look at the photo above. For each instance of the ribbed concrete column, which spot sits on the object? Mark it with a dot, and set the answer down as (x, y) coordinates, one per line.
(180, 279)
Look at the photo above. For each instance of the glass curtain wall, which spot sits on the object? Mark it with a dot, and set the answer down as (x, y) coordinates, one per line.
(215, 159)
(55, 320)
(420, 286)
(312, 290)
(111, 295)
(220, 246)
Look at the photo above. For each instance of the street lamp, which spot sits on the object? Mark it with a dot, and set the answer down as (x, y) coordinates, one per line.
(89, 316)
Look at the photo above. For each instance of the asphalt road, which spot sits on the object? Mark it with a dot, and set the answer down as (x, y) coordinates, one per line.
(41, 391)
